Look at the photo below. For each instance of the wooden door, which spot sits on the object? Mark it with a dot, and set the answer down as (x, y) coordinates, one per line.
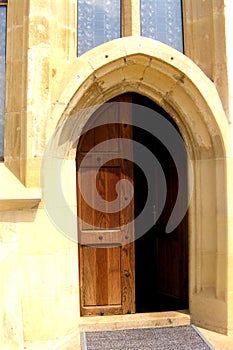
(106, 261)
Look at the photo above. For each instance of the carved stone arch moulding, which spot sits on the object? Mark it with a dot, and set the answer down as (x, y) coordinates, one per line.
(155, 70)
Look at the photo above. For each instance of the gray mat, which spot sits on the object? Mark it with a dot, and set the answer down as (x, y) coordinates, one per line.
(168, 338)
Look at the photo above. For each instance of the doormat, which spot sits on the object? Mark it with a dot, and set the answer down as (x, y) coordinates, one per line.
(166, 338)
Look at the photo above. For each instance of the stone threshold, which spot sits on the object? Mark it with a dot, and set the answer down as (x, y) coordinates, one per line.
(132, 321)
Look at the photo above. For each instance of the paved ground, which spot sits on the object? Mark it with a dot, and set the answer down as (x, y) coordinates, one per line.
(218, 341)
(167, 338)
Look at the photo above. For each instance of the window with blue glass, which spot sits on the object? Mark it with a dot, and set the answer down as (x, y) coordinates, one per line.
(99, 21)
(162, 20)
(2, 73)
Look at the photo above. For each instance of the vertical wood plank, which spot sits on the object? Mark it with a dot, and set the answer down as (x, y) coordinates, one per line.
(89, 286)
(114, 276)
(101, 276)
(128, 279)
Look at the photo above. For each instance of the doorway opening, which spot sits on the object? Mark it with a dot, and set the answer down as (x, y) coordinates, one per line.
(161, 259)
(151, 273)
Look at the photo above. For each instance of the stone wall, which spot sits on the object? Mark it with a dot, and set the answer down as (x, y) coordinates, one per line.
(11, 320)
(39, 290)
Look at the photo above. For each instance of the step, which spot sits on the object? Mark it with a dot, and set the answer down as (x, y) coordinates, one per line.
(132, 321)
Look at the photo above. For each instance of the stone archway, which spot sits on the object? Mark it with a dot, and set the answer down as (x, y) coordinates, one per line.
(176, 84)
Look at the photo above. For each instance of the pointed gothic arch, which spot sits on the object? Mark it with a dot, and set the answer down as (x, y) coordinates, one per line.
(174, 82)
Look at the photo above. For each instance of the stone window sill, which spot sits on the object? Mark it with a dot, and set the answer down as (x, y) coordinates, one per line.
(14, 195)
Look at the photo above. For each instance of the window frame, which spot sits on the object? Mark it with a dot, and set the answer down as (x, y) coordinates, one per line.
(129, 19)
(120, 30)
(182, 27)
(4, 3)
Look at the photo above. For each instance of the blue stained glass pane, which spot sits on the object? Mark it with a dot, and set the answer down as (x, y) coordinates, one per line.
(99, 21)
(2, 74)
(162, 20)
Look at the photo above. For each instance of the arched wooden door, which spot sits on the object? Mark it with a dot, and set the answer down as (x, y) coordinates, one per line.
(155, 265)
(106, 260)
